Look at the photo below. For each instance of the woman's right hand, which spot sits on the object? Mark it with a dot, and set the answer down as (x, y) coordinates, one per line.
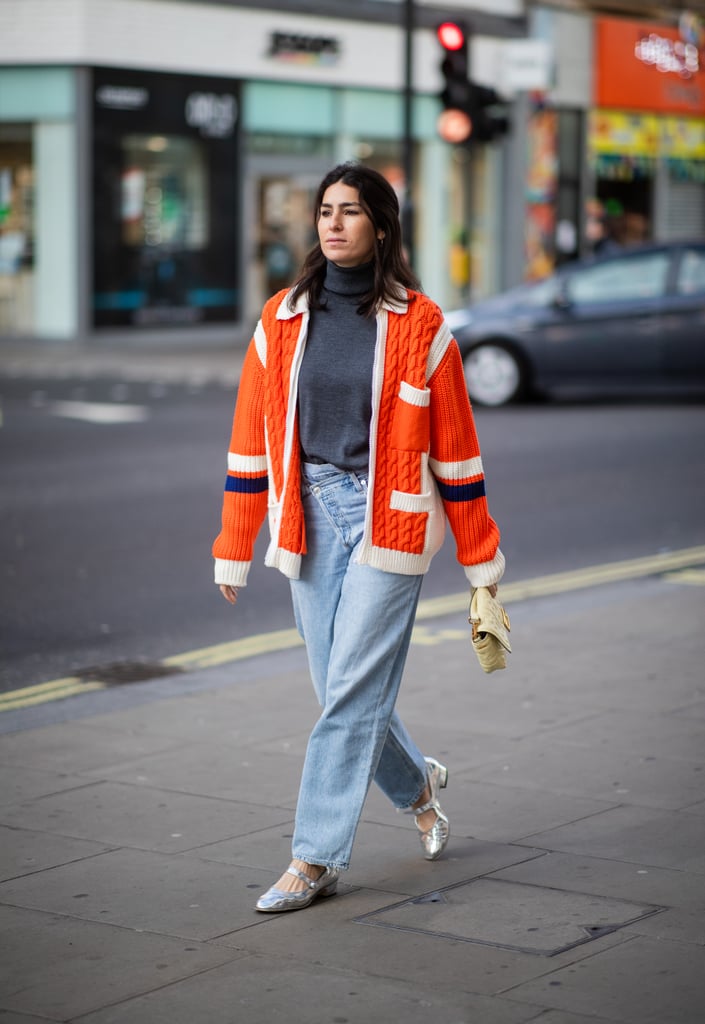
(228, 592)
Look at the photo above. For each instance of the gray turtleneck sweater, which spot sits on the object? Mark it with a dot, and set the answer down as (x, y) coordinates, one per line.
(335, 382)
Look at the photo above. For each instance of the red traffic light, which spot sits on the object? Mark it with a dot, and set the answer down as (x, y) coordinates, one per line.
(454, 126)
(450, 36)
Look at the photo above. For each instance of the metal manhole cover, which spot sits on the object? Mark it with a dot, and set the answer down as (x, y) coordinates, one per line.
(512, 915)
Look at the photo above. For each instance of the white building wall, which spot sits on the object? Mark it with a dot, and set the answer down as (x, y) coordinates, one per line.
(173, 36)
(571, 40)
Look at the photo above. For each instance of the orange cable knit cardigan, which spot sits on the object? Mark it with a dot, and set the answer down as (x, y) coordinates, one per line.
(425, 463)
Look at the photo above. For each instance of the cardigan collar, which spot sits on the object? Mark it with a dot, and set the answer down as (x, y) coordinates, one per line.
(285, 313)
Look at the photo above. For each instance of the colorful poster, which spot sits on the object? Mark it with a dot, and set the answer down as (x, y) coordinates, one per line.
(541, 185)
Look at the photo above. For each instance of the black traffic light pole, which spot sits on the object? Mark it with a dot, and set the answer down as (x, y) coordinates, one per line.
(407, 212)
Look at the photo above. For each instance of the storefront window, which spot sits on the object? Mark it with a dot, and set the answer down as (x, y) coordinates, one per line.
(164, 192)
(165, 199)
(16, 230)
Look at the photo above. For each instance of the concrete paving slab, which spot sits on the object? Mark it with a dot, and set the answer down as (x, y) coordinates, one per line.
(615, 775)
(599, 675)
(503, 813)
(604, 848)
(23, 852)
(73, 747)
(266, 848)
(139, 816)
(562, 1017)
(384, 857)
(504, 709)
(264, 990)
(526, 918)
(26, 783)
(663, 886)
(677, 925)
(692, 711)
(636, 834)
(8, 1017)
(455, 744)
(642, 981)
(390, 859)
(329, 935)
(60, 968)
(144, 891)
(649, 734)
(235, 711)
(230, 771)
(459, 749)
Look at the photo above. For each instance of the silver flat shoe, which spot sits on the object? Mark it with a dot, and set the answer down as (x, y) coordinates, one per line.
(275, 901)
(435, 839)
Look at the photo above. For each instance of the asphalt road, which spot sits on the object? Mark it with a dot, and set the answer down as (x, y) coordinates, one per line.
(106, 526)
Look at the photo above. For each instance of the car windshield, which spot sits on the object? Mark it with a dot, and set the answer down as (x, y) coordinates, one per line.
(619, 280)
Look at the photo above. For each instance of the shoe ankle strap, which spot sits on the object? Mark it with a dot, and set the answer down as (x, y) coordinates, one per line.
(310, 882)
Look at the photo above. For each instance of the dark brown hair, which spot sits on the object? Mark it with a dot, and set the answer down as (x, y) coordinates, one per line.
(392, 273)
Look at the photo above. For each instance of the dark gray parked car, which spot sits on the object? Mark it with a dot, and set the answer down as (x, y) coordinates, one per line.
(632, 320)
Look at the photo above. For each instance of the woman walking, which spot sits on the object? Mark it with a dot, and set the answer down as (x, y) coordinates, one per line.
(354, 434)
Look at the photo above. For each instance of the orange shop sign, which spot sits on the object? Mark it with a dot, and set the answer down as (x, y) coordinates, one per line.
(642, 66)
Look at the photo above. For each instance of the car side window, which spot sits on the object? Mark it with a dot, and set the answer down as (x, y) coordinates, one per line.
(691, 273)
(620, 280)
(542, 293)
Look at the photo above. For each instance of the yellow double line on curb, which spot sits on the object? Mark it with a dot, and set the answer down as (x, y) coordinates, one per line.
(434, 607)
(57, 689)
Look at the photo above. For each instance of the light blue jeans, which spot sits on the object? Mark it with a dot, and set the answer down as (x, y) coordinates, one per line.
(356, 622)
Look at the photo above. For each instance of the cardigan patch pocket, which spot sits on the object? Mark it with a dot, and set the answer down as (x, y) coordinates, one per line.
(411, 426)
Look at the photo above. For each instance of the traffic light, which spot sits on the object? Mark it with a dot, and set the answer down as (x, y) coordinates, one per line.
(488, 113)
(454, 124)
(471, 113)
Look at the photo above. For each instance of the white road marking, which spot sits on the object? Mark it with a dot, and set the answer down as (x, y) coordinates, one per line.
(99, 412)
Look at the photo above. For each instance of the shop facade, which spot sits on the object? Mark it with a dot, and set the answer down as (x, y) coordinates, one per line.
(646, 133)
(164, 192)
(615, 147)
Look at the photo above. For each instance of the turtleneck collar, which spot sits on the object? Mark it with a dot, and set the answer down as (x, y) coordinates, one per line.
(349, 280)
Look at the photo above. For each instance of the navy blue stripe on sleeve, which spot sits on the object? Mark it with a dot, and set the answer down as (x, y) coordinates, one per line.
(246, 484)
(462, 492)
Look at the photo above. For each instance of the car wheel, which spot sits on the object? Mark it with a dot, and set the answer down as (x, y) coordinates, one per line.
(493, 374)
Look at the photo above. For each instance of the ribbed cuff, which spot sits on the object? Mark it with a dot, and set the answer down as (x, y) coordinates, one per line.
(233, 574)
(486, 573)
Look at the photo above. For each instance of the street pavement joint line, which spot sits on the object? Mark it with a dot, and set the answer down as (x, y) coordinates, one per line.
(286, 639)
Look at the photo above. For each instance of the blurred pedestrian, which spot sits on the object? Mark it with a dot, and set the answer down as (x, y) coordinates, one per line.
(603, 226)
(353, 431)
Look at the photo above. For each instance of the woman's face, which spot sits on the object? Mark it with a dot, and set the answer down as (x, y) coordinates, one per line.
(346, 233)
